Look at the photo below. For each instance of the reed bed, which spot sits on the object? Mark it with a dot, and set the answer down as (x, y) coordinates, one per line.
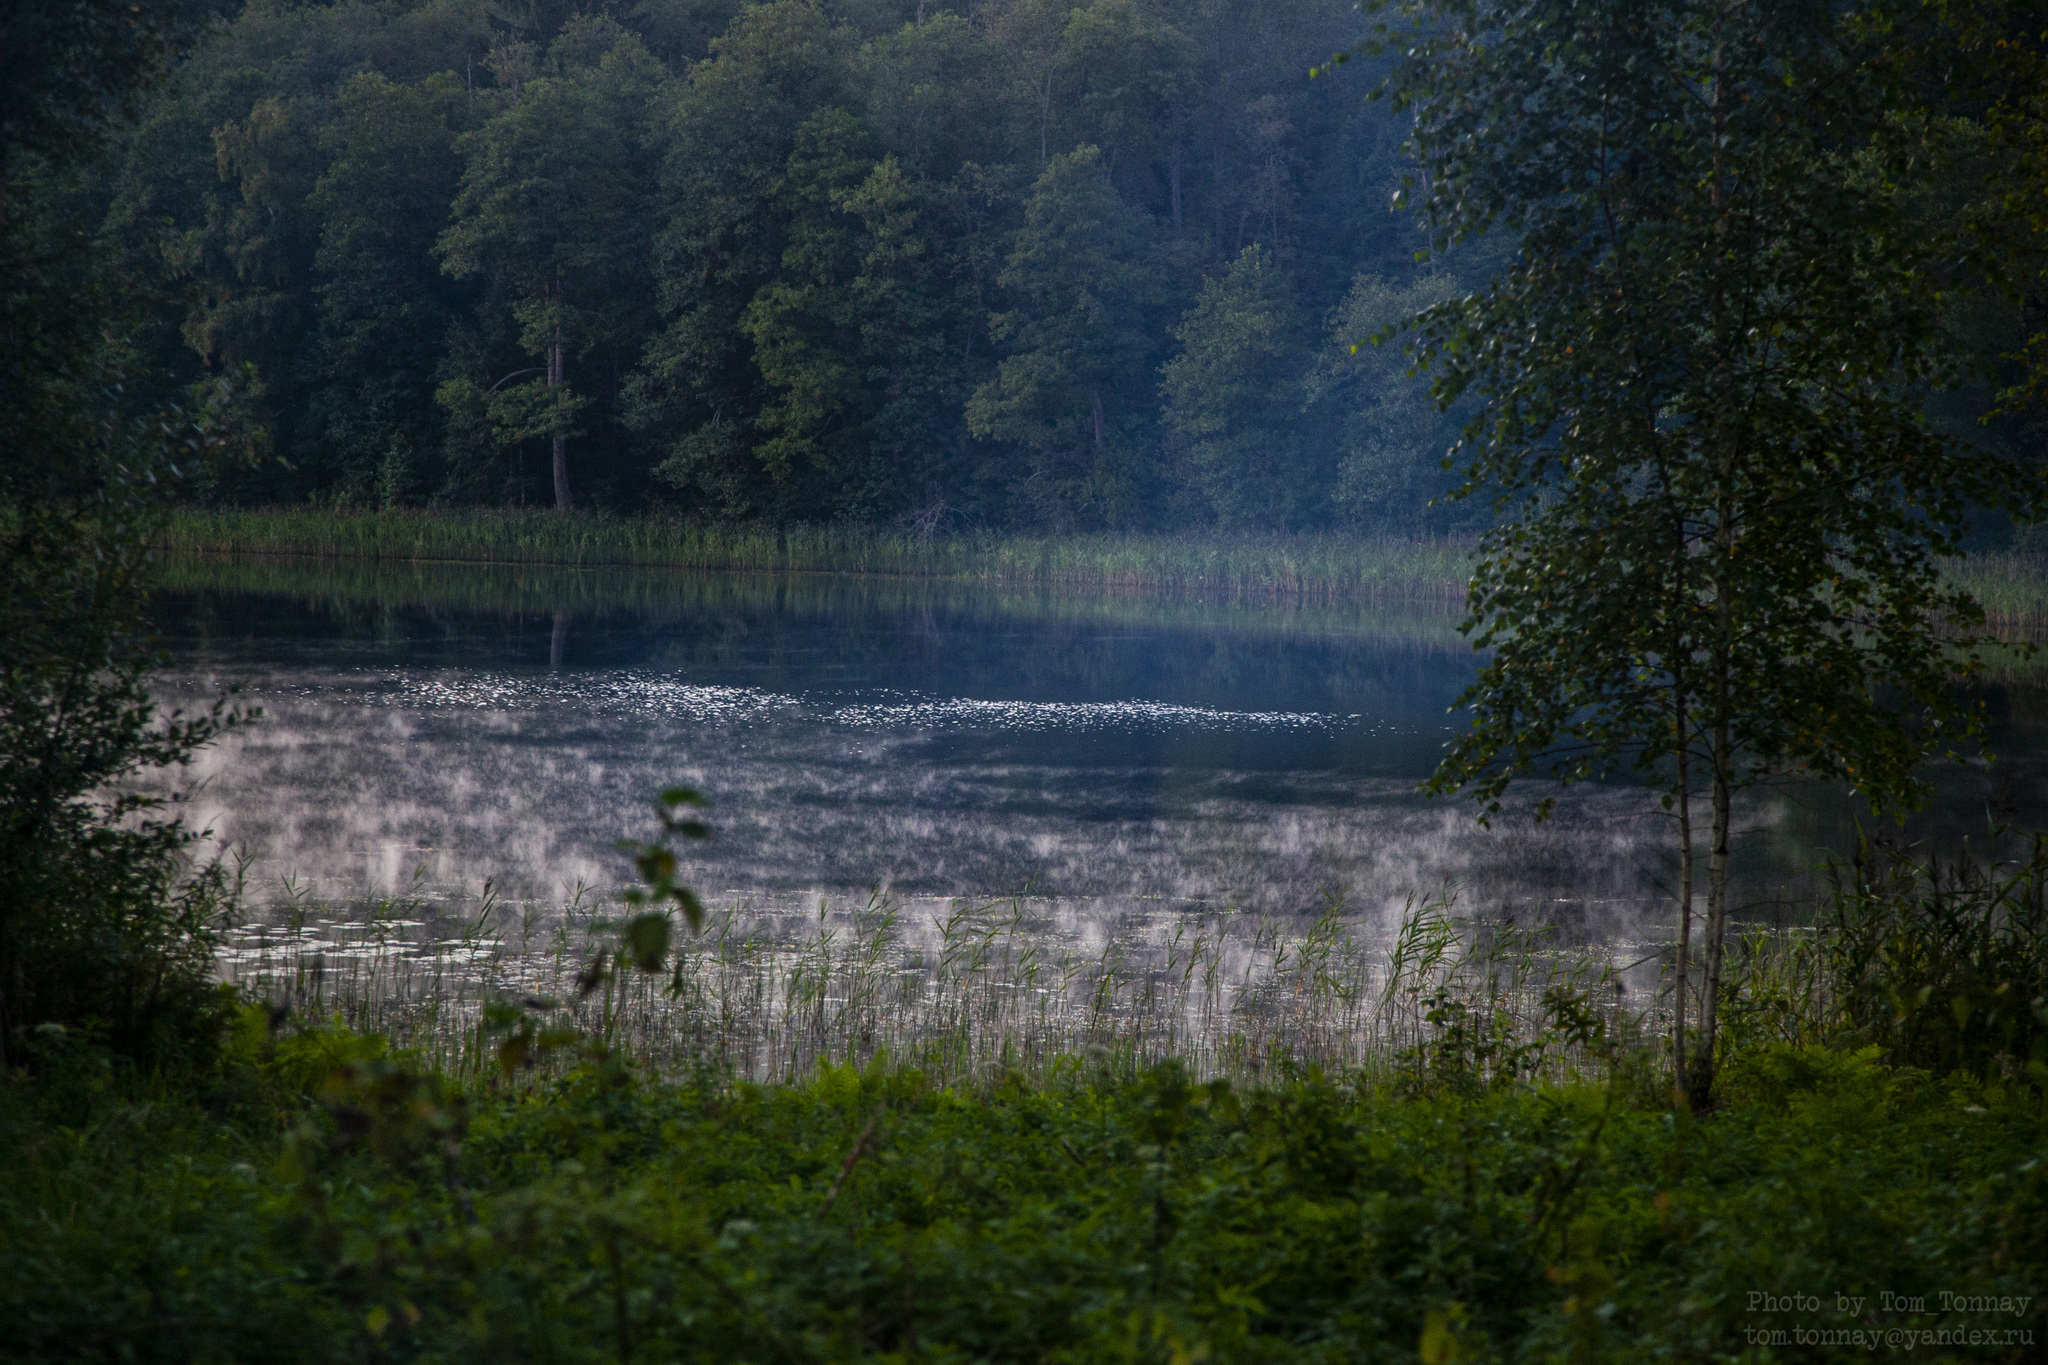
(654, 596)
(979, 990)
(2012, 585)
(1313, 566)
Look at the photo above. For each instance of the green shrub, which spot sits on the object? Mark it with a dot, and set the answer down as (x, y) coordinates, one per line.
(1944, 966)
(867, 1214)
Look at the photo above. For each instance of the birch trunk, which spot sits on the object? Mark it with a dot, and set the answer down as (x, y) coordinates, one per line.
(561, 442)
(1702, 1088)
(1682, 972)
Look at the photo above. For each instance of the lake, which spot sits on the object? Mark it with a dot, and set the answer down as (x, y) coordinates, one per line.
(1116, 764)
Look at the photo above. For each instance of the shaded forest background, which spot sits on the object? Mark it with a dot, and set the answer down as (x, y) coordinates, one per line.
(1037, 264)
(1033, 265)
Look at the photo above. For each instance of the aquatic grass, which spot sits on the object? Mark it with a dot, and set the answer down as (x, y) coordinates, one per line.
(2011, 585)
(1333, 567)
(980, 989)
(377, 553)
(1940, 963)
(344, 589)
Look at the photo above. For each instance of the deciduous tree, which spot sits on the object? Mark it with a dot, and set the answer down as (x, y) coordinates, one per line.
(555, 202)
(1076, 354)
(383, 303)
(1234, 396)
(103, 925)
(1701, 385)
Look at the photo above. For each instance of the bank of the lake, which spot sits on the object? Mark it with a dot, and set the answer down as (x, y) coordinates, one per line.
(327, 1201)
(653, 592)
(1315, 566)
(2012, 586)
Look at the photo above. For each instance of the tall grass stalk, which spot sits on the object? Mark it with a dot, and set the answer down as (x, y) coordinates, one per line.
(980, 990)
(346, 590)
(1287, 566)
(2012, 585)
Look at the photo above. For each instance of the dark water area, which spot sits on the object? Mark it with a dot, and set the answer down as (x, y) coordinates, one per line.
(1111, 757)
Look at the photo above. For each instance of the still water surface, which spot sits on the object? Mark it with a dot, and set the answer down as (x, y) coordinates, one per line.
(1112, 757)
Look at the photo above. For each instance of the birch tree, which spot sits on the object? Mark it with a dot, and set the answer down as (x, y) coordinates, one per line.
(1721, 508)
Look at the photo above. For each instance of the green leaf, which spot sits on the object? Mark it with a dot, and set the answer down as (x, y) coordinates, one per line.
(646, 940)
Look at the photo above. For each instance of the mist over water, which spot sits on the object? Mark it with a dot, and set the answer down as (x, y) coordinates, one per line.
(1110, 761)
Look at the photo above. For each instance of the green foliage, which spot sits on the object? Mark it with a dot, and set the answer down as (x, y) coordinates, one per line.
(552, 207)
(866, 1214)
(105, 927)
(1727, 507)
(1389, 426)
(762, 334)
(1075, 354)
(383, 309)
(104, 924)
(1943, 967)
(847, 336)
(74, 74)
(1702, 388)
(1233, 396)
(785, 245)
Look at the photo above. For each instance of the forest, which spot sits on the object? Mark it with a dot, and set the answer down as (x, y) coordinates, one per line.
(1018, 264)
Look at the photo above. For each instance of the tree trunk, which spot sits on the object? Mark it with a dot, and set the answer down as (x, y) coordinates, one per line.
(1723, 776)
(561, 442)
(1682, 972)
(1679, 663)
(1173, 161)
(558, 640)
(1702, 1086)
(1097, 397)
(1045, 119)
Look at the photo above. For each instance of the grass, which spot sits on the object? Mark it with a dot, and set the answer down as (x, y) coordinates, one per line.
(1327, 567)
(2013, 586)
(1433, 1163)
(981, 990)
(346, 588)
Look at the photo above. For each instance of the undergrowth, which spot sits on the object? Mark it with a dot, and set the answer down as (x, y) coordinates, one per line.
(1506, 1179)
(324, 1198)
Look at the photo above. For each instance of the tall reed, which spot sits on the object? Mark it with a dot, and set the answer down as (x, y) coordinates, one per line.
(2012, 585)
(979, 990)
(1316, 566)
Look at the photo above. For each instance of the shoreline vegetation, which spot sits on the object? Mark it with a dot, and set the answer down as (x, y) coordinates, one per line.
(325, 1198)
(1324, 567)
(1305, 568)
(1499, 1175)
(655, 594)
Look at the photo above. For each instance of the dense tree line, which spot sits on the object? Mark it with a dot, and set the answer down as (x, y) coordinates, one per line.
(1028, 262)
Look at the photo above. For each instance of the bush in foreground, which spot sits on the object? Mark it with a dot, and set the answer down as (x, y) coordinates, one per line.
(328, 1201)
